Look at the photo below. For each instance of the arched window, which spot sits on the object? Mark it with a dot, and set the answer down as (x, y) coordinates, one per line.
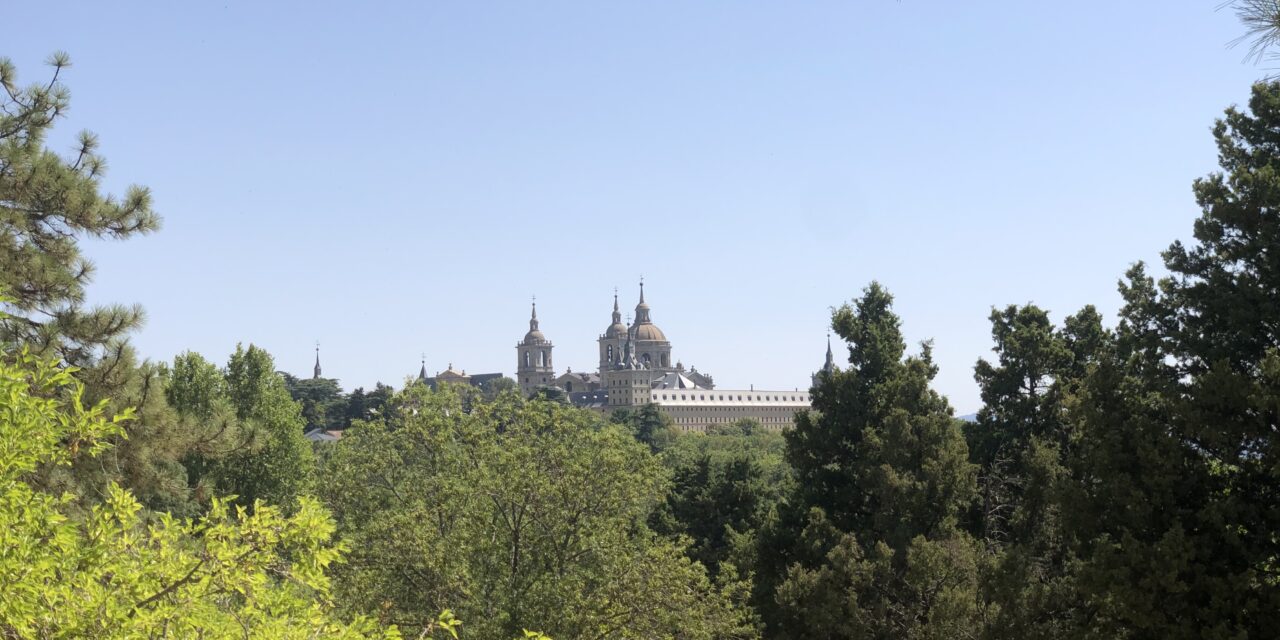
(542, 358)
(568, 387)
(608, 353)
(646, 359)
(666, 360)
(526, 360)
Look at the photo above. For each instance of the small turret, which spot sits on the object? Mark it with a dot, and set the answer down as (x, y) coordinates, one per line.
(828, 367)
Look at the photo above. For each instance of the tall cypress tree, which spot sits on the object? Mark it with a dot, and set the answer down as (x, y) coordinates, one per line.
(883, 473)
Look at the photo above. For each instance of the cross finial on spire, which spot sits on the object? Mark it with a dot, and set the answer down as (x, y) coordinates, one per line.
(316, 372)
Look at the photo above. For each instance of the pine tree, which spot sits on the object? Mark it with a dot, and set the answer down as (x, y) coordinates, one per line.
(47, 204)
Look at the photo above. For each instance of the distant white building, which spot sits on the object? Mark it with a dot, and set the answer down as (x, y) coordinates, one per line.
(636, 368)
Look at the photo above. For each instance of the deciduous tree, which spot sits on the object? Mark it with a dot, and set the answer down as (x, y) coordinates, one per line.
(516, 515)
(107, 574)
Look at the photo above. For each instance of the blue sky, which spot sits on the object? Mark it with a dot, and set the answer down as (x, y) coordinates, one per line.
(399, 178)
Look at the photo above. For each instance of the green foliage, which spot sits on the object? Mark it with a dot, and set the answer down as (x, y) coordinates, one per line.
(196, 387)
(884, 478)
(1177, 464)
(1018, 394)
(516, 515)
(182, 420)
(880, 453)
(197, 432)
(1020, 441)
(497, 386)
(1116, 484)
(322, 402)
(647, 424)
(725, 486)
(47, 203)
(550, 394)
(1139, 468)
(361, 405)
(279, 467)
(926, 589)
(109, 575)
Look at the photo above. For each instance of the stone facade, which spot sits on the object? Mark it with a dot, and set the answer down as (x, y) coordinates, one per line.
(578, 381)
(453, 376)
(697, 409)
(636, 367)
(533, 358)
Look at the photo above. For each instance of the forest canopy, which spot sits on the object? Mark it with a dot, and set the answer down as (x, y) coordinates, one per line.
(1121, 479)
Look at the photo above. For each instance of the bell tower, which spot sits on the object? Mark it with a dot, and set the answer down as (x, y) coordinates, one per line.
(612, 339)
(533, 358)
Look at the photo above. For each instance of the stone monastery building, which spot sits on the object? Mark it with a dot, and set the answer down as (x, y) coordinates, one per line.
(636, 368)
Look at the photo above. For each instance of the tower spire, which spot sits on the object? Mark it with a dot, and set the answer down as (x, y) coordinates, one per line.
(642, 309)
(316, 373)
(533, 317)
(831, 360)
(617, 316)
(628, 355)
(422, 373)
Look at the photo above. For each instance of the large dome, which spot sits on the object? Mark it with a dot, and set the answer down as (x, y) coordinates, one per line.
(534, 335)
(650, 331)
(616, 330)
(644, 328)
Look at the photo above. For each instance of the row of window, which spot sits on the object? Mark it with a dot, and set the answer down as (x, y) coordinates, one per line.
(722, 398)
(762, 419)
(703, 427)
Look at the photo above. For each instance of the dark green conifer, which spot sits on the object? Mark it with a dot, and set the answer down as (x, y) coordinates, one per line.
(48, 203)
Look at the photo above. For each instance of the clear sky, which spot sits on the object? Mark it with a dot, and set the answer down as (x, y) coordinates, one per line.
(398, 178)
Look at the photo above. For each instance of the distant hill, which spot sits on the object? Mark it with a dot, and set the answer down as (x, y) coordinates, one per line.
(969, 417)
